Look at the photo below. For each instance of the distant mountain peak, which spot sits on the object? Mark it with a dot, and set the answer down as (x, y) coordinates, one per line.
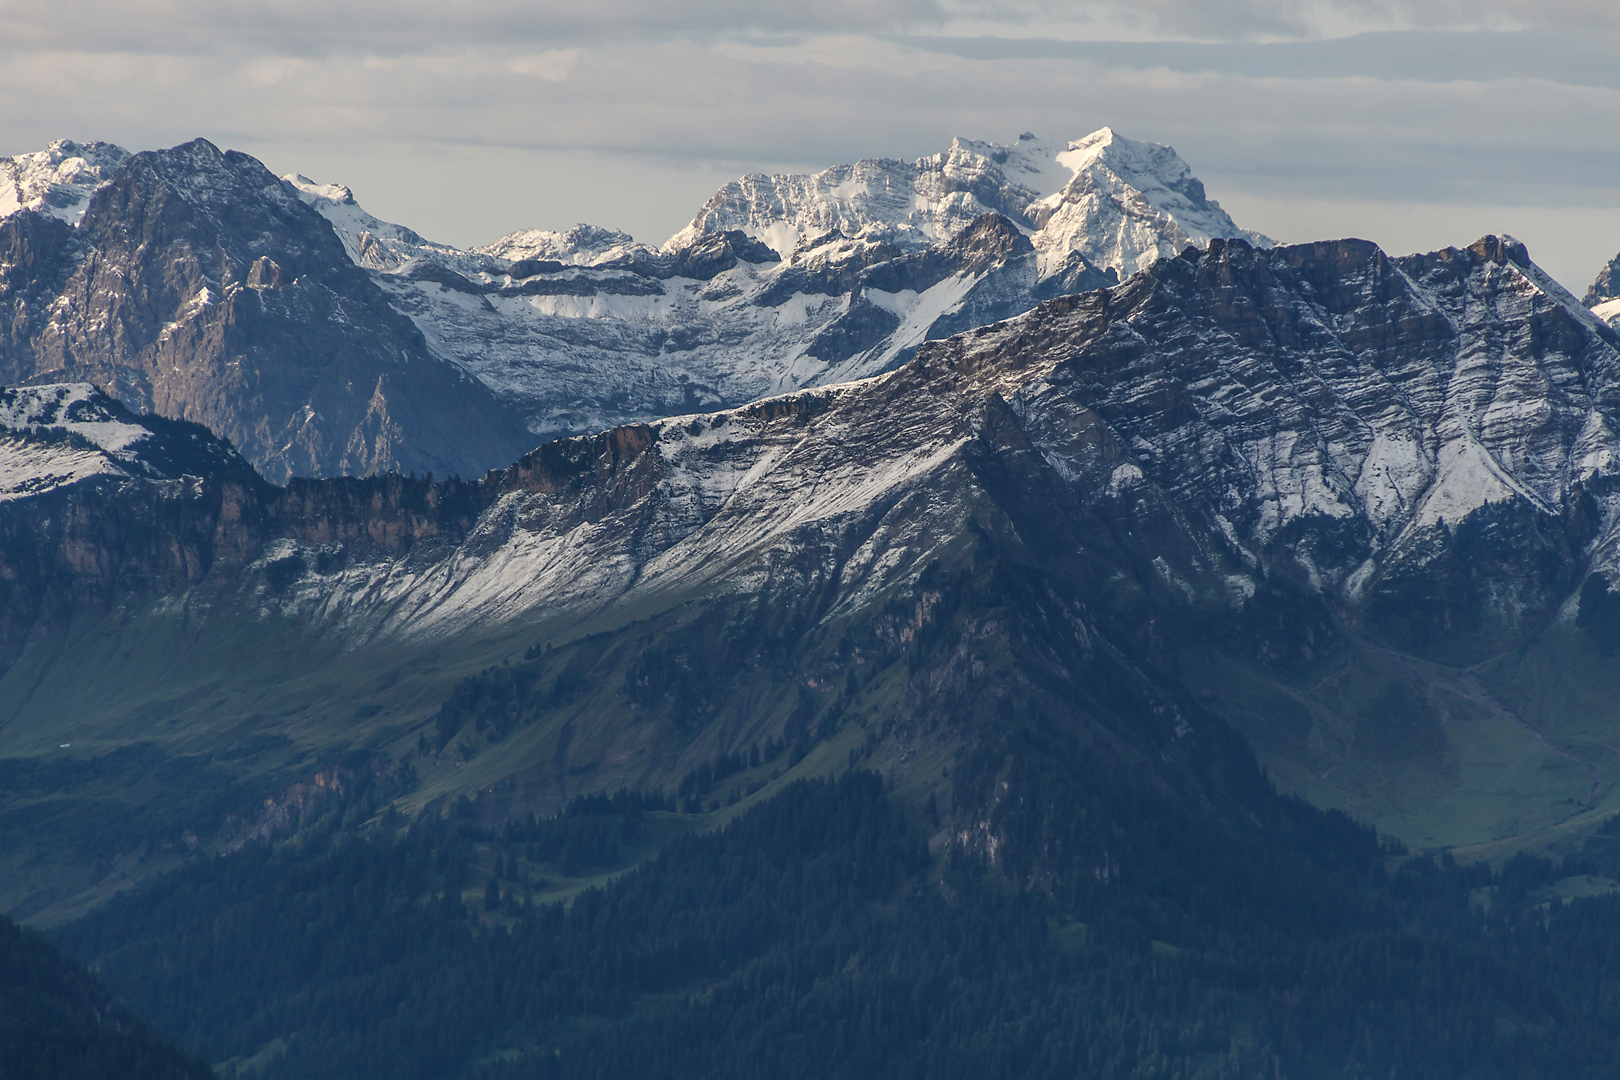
(1127, 204)
(59, 179)
(582, 245)
(371, 242)
(1119, 202)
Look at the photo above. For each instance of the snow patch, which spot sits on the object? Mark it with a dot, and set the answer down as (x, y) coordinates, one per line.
(58, 180)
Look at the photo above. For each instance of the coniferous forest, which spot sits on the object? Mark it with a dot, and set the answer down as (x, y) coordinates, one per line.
(815, 936)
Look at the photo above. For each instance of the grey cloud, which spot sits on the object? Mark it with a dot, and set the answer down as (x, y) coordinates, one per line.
(1565, 57)
(1235, 20)
(318, 27)
(473, 133)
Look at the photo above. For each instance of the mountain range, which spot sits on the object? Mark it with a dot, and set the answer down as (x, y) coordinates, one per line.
(1357, 506)
(329, 342)
(906, 622)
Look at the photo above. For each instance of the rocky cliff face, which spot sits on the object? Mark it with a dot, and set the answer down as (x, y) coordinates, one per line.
(197, 286)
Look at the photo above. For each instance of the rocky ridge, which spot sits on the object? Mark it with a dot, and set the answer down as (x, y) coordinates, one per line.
(1430, 441)
(1320, 415)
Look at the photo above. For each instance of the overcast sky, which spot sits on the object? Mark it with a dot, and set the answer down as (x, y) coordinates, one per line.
(1413, 124)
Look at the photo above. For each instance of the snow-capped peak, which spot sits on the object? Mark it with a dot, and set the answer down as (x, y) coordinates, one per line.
(370, 241)
(582, 245)
(1127, 204)
(1120, 203)
(310, 190)
(59, 179)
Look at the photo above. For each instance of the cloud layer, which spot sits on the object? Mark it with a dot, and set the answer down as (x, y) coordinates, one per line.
(469, 120)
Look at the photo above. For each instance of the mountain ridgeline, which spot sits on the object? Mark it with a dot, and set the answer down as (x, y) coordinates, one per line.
(321, 341)
(963, 719)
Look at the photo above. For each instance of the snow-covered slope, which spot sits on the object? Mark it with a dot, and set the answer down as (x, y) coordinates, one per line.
(57, 180)
(59, 434)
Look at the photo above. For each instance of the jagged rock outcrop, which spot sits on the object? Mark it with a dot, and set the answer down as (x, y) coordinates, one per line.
(197, 286)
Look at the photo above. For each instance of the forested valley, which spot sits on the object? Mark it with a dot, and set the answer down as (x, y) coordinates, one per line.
(816, 936)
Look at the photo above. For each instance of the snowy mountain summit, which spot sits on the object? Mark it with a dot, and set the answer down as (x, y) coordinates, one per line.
(1120, 203)
(1127, 204)
(785, 281)
(59, 179)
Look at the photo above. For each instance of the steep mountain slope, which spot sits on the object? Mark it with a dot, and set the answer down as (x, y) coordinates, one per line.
(198, 287)
(1353, 505)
